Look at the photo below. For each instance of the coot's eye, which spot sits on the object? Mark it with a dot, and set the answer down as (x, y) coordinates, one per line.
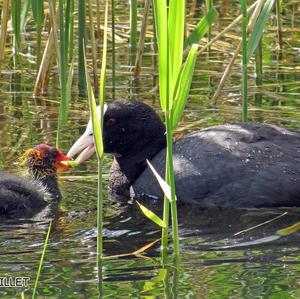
(110, 122)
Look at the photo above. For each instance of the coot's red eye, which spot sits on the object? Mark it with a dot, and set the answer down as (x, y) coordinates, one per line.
(110, 122)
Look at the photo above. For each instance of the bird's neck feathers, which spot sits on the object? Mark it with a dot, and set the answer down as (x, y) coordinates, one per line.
(47, 179)
(126, 169)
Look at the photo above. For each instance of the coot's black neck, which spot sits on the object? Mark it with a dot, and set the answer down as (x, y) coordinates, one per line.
(126, 169)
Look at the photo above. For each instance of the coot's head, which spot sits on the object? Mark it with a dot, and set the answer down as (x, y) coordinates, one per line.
(129, 127)
(43, 160)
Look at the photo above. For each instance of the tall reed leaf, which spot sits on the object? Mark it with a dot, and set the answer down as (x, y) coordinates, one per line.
(152, 216)
(244, 60)
(162, 183)
(81, 45)
(202, 27)
(175, 40)
(16, 22)
(183, 85)
(41, 260)
(93, 111)
(24, 13)
(103, 66)
(258, 28)
(161, 22)
(38, 15)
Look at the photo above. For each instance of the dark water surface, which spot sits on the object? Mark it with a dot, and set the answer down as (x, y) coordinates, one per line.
(207, 270)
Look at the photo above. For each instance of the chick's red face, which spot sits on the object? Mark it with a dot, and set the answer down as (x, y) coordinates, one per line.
(53, 154)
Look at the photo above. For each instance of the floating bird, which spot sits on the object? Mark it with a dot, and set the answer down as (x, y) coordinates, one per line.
(37, 187)
(233, 165)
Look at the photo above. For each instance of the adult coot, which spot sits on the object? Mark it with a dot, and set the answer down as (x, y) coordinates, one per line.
(231, 165)
(38, 186)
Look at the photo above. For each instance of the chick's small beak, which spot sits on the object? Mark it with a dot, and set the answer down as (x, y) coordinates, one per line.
(85, 145)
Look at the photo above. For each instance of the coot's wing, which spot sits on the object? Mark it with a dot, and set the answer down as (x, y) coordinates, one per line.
(238, 165)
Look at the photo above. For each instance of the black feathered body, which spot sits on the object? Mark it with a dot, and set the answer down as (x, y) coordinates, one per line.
(19, 195)
(233, 165)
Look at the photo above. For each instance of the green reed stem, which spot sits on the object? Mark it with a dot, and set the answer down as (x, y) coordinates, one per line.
(65, 80)
(209, 5)
(113, 49)
(24, 13)
(258, 72)
(81, 45)
(166, 219)
(67, 27)
(133, 30)
(41, 261)
(244, 61)
(100, 212)
(16, 22)
(64, 102)
(38, 15)
(100, 157)
(171, 182)
(3, 29)
(71, 30)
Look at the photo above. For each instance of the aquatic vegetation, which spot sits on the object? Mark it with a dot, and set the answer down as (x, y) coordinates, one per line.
(63, 42)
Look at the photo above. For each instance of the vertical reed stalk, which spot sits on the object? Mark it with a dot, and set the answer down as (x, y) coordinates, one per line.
(171, 182)
(16, 23)
(113, 52)
(209, 5)
(93, 44)
(41, 261)
(98, 18)
(67, 27)
(244, 61)
(99, 148)
(166, 219)
(258, 72)
(38, 15)
(279, 27)
(3, 32)
(71, 30)
(133, 30)
(100, 225)
(140, 48)
(24, 13)
(81, 45)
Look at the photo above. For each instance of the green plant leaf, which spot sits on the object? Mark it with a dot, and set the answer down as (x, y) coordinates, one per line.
(183, 85)
(93, 111)
(162, 183)
(152, 216)
(258, 28)
(175, 40)
(72, 163)
(161, 22)
(202, 27)
(103, 66)
(41, 261)
(38, 11)
(289, 230)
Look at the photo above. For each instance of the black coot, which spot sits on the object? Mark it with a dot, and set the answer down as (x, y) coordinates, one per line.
(231, 165)
(37, 187)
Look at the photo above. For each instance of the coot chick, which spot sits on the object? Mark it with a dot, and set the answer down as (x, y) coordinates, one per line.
(231, 165)
(31, 192)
